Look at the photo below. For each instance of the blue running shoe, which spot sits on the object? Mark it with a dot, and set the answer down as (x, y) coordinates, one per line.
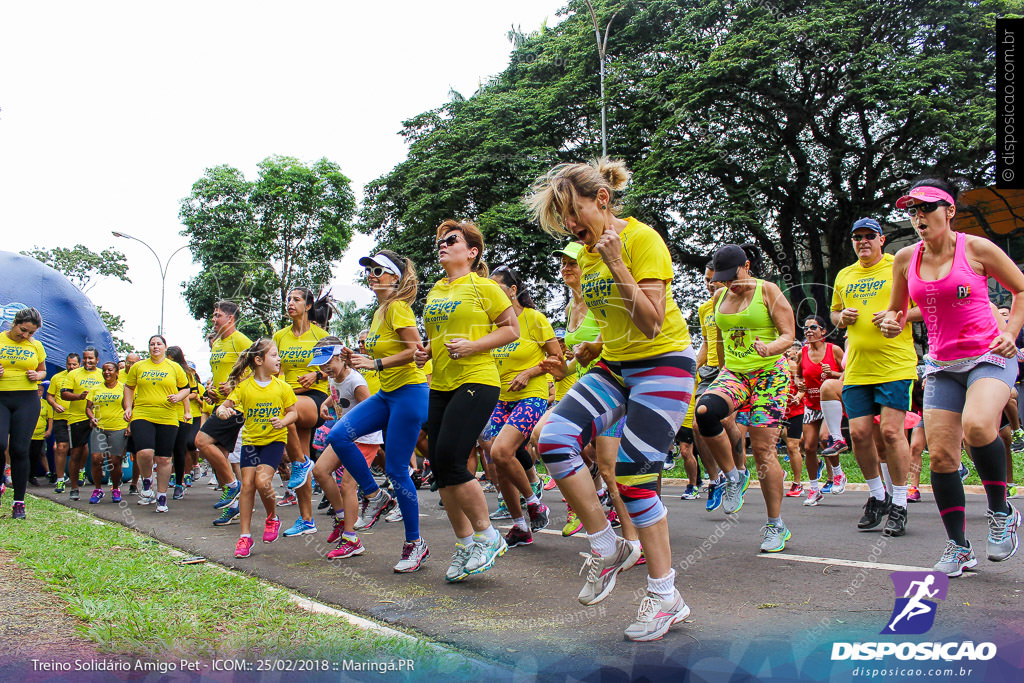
(964, 472)
(300, 474)
(229, 515)
(746, 480)
(827, 488)
(229, 496)
(821, 467)
(715, 491)
(301, 528)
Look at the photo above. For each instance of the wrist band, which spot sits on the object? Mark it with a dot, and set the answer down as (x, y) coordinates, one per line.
(379, 364)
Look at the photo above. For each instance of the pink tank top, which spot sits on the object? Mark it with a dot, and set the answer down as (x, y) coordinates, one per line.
(956, 309)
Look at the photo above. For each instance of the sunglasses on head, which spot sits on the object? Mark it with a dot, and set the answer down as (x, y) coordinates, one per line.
(924, 208)
(864, 237)
(448, 241)
(376, 271)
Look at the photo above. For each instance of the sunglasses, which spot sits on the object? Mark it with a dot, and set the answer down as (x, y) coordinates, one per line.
(448, 241)
(812, 327)
(864, 237)
(927, 207)
(376, 271)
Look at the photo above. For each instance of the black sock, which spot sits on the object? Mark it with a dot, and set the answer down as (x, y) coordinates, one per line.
(949, 498)
(990, 461)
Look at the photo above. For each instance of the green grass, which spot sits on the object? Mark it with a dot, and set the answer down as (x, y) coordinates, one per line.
(135, 599)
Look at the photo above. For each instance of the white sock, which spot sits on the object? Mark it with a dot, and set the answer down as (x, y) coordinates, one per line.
(377, 496)
(533, 499)
(876, 488)
(603, 542)
(488, 535)
(734, 475)
(521, 523)
(837, 470)
(887, 478)
(601, 491)
(815, 485)
(777, 521)
(246, 536)
(833, 412)
(466, 540)
(635, 544)
(899, 496)
(664, 587)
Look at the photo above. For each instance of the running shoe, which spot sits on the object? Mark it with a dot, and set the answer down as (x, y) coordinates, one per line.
(605, 498)
(18, 510)
(173, 481)
(287, 499)
(775, 538)
(670, 462)
(839, 483)
(244, 547)
(691, 493)
(59, 488)
(613, 519)
(602, 571)
(913, 494)
(161, 503)
(964, 471)
(300, 528)
(337, 531)
(538, 489)
(3, 488)
(1002, 533)
(539, 516)
(715, 492)
(347, 548)
(179, 493)
(732, 499)
(1018, 440)
(115, 495)
(517, 536)
(827, 488)
(813, 498)
(33, 481)
(549, 482)
(133, 490)
(227, 516)
(746, 480)
(51, 477)
(229, 495)
(955, 559)
(502, 512)
(373, 509)
(316, 487)
(656, 616)
(835, 447)
(487, 486)
(81, 478)
(785, 458)
(187, 481)
(394, 516)
(413, 555)
(483, 555)
(821, 468)
(643, 558)
(896, 524)
(323, 504)
(300, 473)
(874, 511)
(97, 496)
(573, 525)
(457, 569)
(271, 529)
(146, 497)
(795, 491)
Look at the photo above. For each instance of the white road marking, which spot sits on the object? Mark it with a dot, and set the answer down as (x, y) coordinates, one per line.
(845, 563)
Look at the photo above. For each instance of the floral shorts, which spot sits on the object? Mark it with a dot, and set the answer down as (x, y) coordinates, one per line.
(523, 414)
(763, 390)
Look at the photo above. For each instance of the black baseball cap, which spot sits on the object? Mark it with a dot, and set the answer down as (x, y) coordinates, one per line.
(726, 261)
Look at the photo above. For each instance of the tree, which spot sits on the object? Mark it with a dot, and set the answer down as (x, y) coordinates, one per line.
(84, 268)
(349, 320)
(257, 239)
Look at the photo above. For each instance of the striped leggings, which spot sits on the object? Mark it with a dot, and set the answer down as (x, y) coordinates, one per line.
(653, 395)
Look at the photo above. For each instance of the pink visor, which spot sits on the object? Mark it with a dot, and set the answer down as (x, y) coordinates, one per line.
(925, 193)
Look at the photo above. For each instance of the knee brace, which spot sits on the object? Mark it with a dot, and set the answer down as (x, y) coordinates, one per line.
(709, 420)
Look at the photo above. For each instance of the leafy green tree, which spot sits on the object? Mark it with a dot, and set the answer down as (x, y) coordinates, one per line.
(349, 320)
(257, 239)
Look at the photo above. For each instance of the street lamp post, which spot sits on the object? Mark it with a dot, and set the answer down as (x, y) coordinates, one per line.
(602, 46)
(163, 270)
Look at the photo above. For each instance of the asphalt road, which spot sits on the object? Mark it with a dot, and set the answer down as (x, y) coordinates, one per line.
(770, 617)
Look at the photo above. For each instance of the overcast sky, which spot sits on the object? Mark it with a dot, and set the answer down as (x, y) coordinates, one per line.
(109, 112)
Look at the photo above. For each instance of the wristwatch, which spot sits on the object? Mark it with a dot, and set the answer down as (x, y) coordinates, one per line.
(319, 376)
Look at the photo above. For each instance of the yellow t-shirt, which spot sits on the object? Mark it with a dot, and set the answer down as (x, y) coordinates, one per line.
(122, 375)
(56, 384)
(465, 308)
(688, 418)
(563, 385)
(17, 358)
(45, 414)
(223, 355)
(709, 330)
(80, 381)
(107, 406)
(153, 383)
(428, 368)
(197, 405)
(295, 354)
(383, 341)
(524, 353)
(646, 256)
(872, 358)
(259, 405)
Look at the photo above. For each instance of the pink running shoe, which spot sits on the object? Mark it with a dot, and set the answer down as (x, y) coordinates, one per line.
(347, 548)
(271, 529)
(337, 531)
(839, 483)
(913, 494)
(244, 547)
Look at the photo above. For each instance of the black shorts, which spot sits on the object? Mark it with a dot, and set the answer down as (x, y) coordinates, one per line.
(318, 398)
(61, 433)
(684, 435)
(270, 454)
(79, 433)
(795, 426)
(224, 432)
(150, 436)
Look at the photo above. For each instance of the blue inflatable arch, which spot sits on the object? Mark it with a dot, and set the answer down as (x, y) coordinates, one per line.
(70, 320)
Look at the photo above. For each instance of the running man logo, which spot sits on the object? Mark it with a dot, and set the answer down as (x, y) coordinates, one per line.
(913, 614)
(963, 291)
(8, 311)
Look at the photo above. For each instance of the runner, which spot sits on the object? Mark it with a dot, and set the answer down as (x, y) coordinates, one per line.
(708, 367)
(217, 437)
(153, 391)
(126, 365)
(22, 367)
(971, 364)
(61, 435)
(466, 315)
(819, 361)
(793, 429)
(42, 432)
(521, 403)
(266, 404)
(310, 317)
(756, 327)
(77, 385)
(645, 376)
(197, 406)
(105, 407)
(879, 375)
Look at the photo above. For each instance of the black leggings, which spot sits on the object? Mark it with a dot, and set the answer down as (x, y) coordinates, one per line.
(454, 422)
(19, 412)
(184, 441)
(36, 466)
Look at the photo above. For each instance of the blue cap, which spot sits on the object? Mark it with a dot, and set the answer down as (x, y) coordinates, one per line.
(867, 223)
(323, 354)
(559, 333)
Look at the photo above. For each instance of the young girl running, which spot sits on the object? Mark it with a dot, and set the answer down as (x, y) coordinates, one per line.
(105, 407)
(267, 405)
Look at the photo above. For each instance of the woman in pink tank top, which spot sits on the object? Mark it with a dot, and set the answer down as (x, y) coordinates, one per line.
(971, 364)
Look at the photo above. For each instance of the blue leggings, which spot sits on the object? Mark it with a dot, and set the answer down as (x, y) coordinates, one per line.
(400, 412)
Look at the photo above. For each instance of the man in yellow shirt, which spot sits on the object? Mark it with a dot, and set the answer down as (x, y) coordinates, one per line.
(61, 434)
(77, 385)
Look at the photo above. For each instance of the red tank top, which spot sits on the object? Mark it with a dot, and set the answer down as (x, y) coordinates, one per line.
(812, 374)
(793, 409)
